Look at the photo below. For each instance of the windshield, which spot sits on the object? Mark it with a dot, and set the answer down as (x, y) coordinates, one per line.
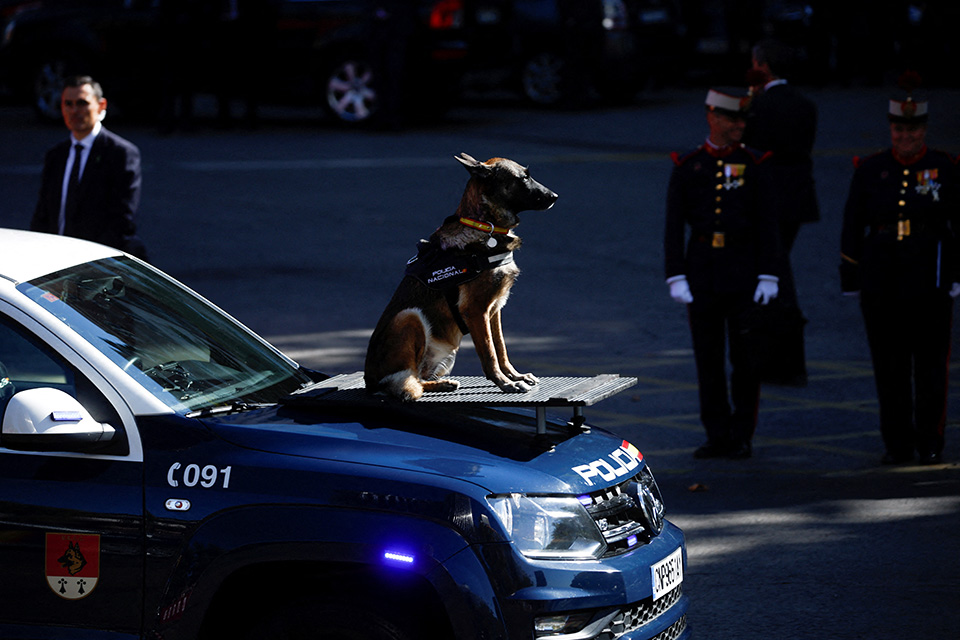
(177, 345)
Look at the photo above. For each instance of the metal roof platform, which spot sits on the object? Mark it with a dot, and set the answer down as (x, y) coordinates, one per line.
(477, 391)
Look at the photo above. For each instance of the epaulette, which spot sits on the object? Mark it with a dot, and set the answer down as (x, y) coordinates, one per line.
(859, 160)
(680, 159)
(951, 158)
(757, 156)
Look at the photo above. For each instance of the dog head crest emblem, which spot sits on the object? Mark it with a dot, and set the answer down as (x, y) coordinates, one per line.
(72, 564)
(72, 560)
(415, 342)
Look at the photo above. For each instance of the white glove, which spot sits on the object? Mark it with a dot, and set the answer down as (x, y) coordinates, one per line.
(680, 290)
(767, 289)
(955, 290)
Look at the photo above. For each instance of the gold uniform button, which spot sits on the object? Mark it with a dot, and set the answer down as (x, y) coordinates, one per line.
(902, 203)
(717, 210)
(719, 163)
(905, 185)
(719, 186)
(906, 172)
(719, 174)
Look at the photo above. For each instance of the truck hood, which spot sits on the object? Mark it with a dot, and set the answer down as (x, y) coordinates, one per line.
(496, 449)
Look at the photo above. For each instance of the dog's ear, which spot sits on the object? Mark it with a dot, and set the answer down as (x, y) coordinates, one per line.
(475, 167)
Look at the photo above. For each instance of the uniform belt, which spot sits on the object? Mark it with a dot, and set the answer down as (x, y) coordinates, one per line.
(914, 226)
(711, 239)
(880, 229)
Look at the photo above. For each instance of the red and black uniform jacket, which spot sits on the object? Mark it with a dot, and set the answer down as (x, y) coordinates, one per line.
(900, 225)
(726, 199)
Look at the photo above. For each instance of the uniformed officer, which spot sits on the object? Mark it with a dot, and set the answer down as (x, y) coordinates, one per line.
(899, 252)
(722, 192)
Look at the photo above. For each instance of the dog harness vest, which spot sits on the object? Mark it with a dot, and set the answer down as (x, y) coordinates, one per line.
(440, 269)
(445, 271)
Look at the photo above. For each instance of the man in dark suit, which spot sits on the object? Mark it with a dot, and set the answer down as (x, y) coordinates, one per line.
(725, 265)
(90, 187)
(784, 121)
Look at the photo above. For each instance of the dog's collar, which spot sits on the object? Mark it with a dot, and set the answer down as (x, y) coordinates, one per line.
(486, 227)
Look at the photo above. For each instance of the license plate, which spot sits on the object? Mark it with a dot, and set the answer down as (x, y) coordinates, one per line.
(667, 574)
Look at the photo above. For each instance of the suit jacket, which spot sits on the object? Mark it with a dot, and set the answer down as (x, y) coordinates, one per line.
(724, 196)
(784, 121)
(108, 196)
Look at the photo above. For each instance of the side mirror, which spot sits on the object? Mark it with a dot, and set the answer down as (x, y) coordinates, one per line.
(48, 419)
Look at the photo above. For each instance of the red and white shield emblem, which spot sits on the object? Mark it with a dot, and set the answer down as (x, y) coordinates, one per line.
(72, 564)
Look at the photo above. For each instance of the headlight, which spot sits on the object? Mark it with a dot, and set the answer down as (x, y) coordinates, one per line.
(549, 528)
(650, 501)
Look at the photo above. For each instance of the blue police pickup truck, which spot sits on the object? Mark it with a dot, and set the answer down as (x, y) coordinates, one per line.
(167, 474)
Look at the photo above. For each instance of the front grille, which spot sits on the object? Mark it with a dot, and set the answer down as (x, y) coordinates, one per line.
(674, 631)
(627, 514)
(641, 613)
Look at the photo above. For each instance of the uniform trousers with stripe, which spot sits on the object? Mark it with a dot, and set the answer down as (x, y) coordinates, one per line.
(715, 322)
(910, 348)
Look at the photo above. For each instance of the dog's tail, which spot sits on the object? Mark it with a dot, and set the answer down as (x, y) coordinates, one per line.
(393, 353)
(403, 385)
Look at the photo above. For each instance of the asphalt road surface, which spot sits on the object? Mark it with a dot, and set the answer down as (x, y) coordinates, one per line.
(301, 230)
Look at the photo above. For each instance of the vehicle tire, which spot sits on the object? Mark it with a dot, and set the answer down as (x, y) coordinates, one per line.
(47, 84)
(350, 91)
(541, 78)
(326, 620)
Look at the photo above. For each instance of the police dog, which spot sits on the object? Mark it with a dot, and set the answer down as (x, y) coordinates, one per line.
(458, 284)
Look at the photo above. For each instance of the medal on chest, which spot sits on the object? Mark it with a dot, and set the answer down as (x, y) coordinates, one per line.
(927, 184)
(733, 176)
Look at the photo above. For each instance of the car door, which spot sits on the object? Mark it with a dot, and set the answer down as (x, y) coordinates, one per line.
(71, 523)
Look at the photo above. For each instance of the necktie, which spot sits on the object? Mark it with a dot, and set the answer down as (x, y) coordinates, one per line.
(73, 185)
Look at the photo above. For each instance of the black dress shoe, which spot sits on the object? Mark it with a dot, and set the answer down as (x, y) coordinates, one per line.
(712, 450)
(930, 458)
(896, 458)
(740, 450)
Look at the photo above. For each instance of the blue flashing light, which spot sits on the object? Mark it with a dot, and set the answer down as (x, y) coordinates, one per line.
(632, 541)
(398, 558)
(585, 500)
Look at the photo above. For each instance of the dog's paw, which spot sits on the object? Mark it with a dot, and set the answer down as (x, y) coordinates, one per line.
(441, 386)
(447, 385)
(514, 386)
(526, 378)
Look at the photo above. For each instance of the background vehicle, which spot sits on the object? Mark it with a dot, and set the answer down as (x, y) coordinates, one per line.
(565, 52)
(165, 473)
(342, 54)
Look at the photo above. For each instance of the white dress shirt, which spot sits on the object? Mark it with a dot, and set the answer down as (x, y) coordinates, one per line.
(86, 143)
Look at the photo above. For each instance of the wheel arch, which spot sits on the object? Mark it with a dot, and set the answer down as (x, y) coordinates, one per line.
(259, 591)
(279, 552)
